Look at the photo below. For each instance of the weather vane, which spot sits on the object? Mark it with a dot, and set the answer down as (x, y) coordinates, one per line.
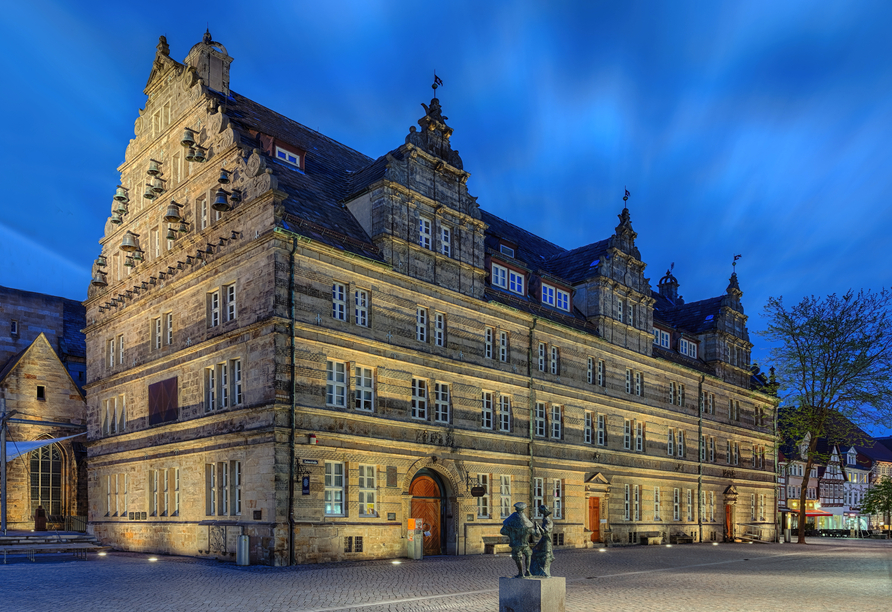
(437, 82)
(627, 194)
(734, 264)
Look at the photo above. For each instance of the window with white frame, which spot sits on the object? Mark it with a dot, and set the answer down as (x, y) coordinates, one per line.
(676, 504)
(702, 448)
(602, 430)
(752, 506)
(504, 413)
(689, 507)
(334, 488)
(679, 398)
(289, 157)
(419, 398)
(626, 503)
(639, 436)
(590, 376)
(620, 310)
(499, 276)
(361, 307)
(670, 443)
(236, 488)
(488, 340)
(483, 500)
(679, 443)
(504, 496)
(558, 491)
(424, 232)
(588, 429)
(631, 319)
(213, 309)
(657, 504)
(602, 374)
(235, 367)
(441, 403)
(439, 329)
(486, 411)
(712, 505)
(231, 310)
(154, 493)
(421, 324)
(557, 422)
(120, 349)
(515, 282)
(728, 453)
(639, 384)
(636, 502)
(686, 347)
(710, 403)
(336, 383)
(538, 496)
(540, 419)
(735, 447)
(168, 327)
(627, 434)
(363, 388)
(672, 393)
(223, 488)
(661, 337)
(628, 380)
(446, 241)
(547, 294)
(562, 300)
(367, 490)
(503, 346)
(339, 301)
(156, 333)
(555, 360)
(761, 506)
(712, 450)
(210, 495)
(542, 353)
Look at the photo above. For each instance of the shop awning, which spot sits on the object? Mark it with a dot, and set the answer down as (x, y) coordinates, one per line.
(16, 449)
(816, 513)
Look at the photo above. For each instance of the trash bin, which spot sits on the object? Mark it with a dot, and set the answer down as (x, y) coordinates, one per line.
(40, 519)
(241, 555)
(787, 537)
(415, 539)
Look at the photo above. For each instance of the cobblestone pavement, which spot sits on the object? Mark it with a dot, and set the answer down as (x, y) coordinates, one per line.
(830, 575)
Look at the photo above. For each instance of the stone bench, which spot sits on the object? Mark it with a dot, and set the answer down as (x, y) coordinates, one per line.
(681, 538)
(495, 544)
(650, 537)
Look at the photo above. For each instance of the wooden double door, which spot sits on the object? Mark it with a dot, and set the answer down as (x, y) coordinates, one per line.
(427, 505)
(594, 518)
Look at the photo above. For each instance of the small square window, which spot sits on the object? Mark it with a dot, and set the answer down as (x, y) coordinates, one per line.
(41, 392)
(14, 328)
(506, 250)
(287, 156)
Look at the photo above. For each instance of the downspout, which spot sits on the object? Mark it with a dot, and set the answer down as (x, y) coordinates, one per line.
(291, 437)
(532, 406)
(700, 456)
(779, 526)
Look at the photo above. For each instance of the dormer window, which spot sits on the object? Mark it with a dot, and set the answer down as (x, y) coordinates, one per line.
(563, 300)
(661, 338)
(507, 279)
(289, 157)
(851, 457)
(499, 276)
(555, 297)
(506, 250)
(686, 347)
(515, 282)
(548, 295)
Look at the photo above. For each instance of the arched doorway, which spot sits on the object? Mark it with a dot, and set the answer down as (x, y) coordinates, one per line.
(46, 479)
(428, 502)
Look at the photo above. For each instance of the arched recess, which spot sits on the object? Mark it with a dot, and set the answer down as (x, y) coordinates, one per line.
(50, 478)
(422, 478)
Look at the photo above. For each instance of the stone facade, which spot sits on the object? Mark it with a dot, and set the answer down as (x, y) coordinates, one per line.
(336, 351)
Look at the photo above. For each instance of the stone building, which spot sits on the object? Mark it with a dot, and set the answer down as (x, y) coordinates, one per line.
(42, 366)
(295, 342)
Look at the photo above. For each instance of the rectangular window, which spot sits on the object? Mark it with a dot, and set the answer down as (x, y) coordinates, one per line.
(110, 349)
(441, 403)
(626, 503)
(223, 371)
(689, 507)
(602, 379)
(555, 360)
(590, 377)
(588, 431)
(542, 353)
(421, 324)
(620, 308)
(486, 413)
(424, 232)
(506, 250)
(504, 413)
(557, 422)
(336, 384)
(361, 308)
(367, 490)
(213, 309)
(231, 309)
(504, 496)
(627, 434)
(671, 393)
(729, 453)
(483, 501)
(236, 504)
(679, 444)
(631, 319)
(419, 399)
(639, 436)
(664, 339)
(628, 381)
(702, 448)
(548, 295)
(499, 276)
(670, 443)
(752, 506)
(540, 419)
(515, 282)
(121, 349)
(439, 329)
(761, 506)
(338, 302)
(236, 368)
(558, 498)
(168, 325)
(538, 496)
(210, 388)
(223, 472)
(736, 449)
(712, 505)
(334, 488)
(636, 502)
(289, 157)
(563, 300)
(657, 504)
(639, 384)
(175, 493)
(165, 497)
(488, 338)
(156, 333)
(503, 347)
(676, 504)
(680, 397)
(364, 389)
(154, 492)
(602, 430)
(712, 450)
(446, 241)
(710, 403)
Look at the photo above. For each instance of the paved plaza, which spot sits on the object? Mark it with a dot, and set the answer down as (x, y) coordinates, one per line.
(824, 575)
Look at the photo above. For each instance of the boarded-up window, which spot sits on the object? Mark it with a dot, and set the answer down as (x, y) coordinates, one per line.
(163, 401)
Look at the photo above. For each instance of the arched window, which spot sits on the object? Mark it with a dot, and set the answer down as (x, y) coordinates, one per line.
(46, 479)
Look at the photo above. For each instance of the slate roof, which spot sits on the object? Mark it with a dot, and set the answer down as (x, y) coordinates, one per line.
(13, 361)
(531, 249)
(574, 319)
(576, 266)
(675, 357)
(693, 318)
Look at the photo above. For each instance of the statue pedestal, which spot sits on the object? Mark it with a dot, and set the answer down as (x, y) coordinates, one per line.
(536, 594)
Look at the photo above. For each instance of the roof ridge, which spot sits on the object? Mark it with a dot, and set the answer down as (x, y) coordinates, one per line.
(526, 231)
(574, 250)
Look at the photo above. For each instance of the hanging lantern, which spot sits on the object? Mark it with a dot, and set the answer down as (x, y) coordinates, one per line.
(148, 193)
(100, 261)
(99, 280)
(173, 213)
(154, 168)
(121, 194)
(116, 219)
(199, 155)
(130, 242)
(220, 202)
(188, 139)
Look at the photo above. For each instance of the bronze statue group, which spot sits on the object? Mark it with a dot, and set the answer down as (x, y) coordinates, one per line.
(531, 561)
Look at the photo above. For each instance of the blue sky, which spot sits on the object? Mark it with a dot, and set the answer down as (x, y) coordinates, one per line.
(755, 128)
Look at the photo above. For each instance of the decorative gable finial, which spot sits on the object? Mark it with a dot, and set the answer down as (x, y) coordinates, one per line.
(626, 197)
(163, 48)
(434, 135)
(207, 38)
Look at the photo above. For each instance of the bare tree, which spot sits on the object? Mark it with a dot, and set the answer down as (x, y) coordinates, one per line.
(834, 357)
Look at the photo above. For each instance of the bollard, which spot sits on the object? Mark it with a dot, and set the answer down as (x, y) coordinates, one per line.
(241, 555)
